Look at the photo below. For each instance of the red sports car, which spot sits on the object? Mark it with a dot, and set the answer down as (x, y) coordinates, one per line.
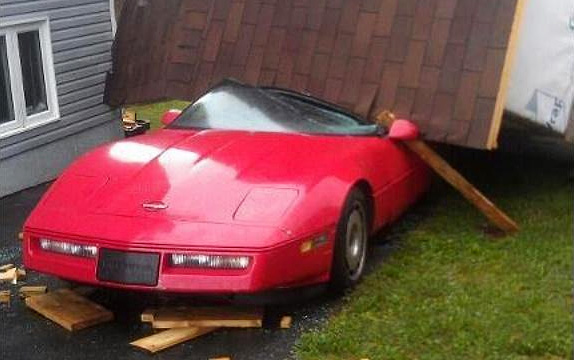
(248, 189)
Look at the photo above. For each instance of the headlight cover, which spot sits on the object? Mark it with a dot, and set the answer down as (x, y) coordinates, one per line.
(66, 248)
(204, 261)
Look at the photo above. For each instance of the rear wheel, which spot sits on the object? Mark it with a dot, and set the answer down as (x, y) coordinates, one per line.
(350, 243)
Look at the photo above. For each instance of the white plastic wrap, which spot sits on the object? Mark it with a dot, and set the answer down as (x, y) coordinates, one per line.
(542, 78)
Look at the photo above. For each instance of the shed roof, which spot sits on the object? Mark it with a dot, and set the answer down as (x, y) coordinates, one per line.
(440, 63)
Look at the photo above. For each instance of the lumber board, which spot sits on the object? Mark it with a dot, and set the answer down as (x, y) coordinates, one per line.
(148, 315)
(6, 267)
(238, 317)
(169, 338)
(26, 291)
(285, 322)
(5, 296)
(454, 178)
(472, 194)
(9, 275)
(496, 123)
(69, 310)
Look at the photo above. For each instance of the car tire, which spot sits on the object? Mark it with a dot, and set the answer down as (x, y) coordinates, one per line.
(351, 242)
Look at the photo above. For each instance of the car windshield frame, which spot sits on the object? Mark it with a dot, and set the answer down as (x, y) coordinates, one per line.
(238, 107)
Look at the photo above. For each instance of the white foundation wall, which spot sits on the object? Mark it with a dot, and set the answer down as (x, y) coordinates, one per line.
(542, 78)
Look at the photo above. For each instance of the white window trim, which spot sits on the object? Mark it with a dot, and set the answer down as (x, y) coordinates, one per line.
(10, 29)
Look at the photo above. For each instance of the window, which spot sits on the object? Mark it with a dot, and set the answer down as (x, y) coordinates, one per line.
(27, 82)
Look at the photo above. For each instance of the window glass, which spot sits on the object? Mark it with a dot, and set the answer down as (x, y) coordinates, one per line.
(234, 106)
(32, 72)
(6, 105)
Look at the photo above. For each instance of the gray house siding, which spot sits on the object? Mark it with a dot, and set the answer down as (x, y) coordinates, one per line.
(81, 36)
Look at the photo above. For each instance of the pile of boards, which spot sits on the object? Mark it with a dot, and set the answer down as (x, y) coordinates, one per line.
(181, 324)
(11, 274)
(172, 325)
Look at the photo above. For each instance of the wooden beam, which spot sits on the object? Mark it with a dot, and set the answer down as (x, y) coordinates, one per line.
(148, 315)
(6, 267)
(5, 296)
(208, 317)
(511, 50)
(27, 291)
(453, 177)
(68, 309)
(285, 322)
(169, 338)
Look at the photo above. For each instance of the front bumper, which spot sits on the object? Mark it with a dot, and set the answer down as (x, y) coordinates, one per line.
(284, 266)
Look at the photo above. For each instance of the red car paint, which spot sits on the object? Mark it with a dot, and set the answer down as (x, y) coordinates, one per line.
(227, 192)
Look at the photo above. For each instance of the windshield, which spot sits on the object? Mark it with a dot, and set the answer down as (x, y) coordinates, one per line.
(234, 106)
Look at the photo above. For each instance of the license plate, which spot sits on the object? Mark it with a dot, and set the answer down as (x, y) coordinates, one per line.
(128, 267)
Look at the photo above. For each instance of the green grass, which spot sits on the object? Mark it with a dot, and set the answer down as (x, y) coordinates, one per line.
(452, 292)
(153, 112)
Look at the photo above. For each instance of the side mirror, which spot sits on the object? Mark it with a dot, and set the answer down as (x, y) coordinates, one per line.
(169, 116)
(403, 130)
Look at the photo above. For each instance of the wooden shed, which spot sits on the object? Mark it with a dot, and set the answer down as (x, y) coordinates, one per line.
(445, 64)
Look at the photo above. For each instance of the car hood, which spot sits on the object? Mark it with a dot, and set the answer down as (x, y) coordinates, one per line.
(206, 176)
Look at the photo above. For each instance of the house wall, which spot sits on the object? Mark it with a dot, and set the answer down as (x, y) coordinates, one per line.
(81, 35)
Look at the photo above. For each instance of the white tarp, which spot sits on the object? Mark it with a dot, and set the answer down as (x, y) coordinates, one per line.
(542, 79)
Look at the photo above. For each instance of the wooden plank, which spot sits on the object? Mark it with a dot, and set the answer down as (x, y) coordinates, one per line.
(148, 315)
(5, 296)
(472, 194)
(27, 291)
(9, 275)
(453, 177)
(169, 338)
(208, 317)
(69, 309)
(495, 124)
(285, 322)
(6, 267)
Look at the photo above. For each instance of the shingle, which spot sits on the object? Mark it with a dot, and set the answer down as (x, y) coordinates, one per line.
(386, 18)
(437, 42)
(438, 62)
(363, 34)
(233, 22)
(445, 8)
(423, 19)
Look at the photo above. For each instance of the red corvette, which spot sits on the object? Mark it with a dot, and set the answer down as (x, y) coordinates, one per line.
(248, 189)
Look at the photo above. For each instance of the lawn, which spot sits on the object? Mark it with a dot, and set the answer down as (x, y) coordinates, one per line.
(153, 112)
(450, 291)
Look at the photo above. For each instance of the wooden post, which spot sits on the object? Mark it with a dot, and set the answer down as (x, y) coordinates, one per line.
(453, 177)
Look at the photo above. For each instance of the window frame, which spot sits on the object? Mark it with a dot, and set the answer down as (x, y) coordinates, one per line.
(10, 30)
